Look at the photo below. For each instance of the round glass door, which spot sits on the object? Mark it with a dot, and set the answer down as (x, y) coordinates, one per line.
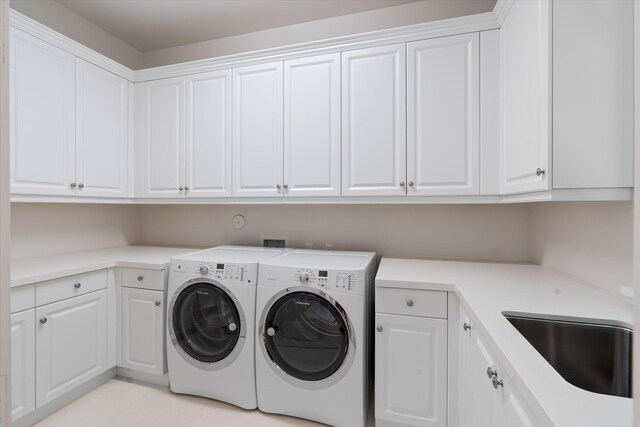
(306, 336)
(206, 323)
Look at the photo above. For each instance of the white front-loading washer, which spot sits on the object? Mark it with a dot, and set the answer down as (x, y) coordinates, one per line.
(312, 335)
(211, 321)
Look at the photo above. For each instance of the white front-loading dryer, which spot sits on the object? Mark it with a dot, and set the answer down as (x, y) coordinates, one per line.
(312, 335)
(211, 321)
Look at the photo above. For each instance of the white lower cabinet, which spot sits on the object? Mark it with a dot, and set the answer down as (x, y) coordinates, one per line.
(410, 371)
(142, 332)
(23, 361)
(71, 344)
(485, 401)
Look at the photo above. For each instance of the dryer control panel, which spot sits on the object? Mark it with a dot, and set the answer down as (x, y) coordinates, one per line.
(331, 280)
(224, 271)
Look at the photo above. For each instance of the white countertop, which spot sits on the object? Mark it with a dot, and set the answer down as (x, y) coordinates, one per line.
(488, 289)
(34, 270)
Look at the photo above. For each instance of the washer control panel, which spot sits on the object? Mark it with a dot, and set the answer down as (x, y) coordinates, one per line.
(224, 271)
(331, 280)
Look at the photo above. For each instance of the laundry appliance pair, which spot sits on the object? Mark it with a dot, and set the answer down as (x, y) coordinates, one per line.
(286, 331)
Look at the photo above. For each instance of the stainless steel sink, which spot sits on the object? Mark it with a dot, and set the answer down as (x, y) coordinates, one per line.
(590, 355)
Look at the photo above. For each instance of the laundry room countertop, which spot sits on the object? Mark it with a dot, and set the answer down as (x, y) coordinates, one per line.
(487, 290)
(40, 269)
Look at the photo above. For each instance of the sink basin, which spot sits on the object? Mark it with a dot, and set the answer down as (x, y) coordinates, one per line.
(590, 355)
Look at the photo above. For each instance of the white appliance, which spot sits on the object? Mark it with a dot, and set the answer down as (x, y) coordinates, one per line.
(313, 334)
(211, 321)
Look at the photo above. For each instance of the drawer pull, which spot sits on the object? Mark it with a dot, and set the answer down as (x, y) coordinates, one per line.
(157, 303)
(140, 278)
(410, 303)
(466, 326)
(491, 372)
(77, 285)
(496, 382)
(379, 328)
(43, 320)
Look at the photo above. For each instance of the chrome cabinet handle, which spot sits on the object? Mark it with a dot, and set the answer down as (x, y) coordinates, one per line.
(43, 320)
(540, 171)
(410, 303)
(410, 183)
(491, 372)
(186, 188)
(158, 303)
(73, 185)
(401, 183)
(286, 186)
(379, 328)
(496, 382)
(140, 278)
(77, 285)
(81, 185)
(466, 326)
(278, 186)
(181, 188)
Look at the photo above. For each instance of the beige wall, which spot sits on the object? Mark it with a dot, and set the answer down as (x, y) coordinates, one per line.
(379, 19)
(592, 241)
(65, 21)
(48, 229)
(465, 232)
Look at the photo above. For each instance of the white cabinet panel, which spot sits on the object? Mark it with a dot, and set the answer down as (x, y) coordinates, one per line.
(374, 121)
(23, 363)
(42, 128)
(443, 133)
(71, 344)
(411, 370)
(312, 126)
(208, 135)
(102, 107)
(257, 130)
(163, 130)
(525, 40)
(142, 334)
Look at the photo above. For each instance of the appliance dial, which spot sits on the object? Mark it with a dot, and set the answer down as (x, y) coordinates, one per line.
(304, 278)
(204, 269)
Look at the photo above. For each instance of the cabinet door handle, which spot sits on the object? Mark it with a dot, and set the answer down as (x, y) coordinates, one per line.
(410, 183)
(401, 183)
(496, 382)
(180, 188)
(73, 185)
(491, 372)
(278, 186)
(43, 320)
(540, 171)
(81, 185)
(186, 188)
(140, 278)
(466, 326)
(158, 303)
(379, 328)
(410, 302)
(77, 285)
(286, 186)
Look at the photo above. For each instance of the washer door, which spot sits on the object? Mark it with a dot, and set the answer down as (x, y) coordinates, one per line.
(206, 324)
(307, 335)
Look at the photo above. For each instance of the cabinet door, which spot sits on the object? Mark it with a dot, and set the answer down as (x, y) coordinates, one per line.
(71, 344)
(525, 42)
(312, 126)
(42, 129)
(374, 121)
(143, 330)
(102, 106)
(23, 363)
(411, 370)
(208, 135)
(443, 116)
(163, 122)
(257, 130)
(482, 400)
(464, 382)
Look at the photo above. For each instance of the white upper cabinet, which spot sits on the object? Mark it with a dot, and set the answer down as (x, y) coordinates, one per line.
(208, 135)
(257, 130)
(526, 97)
(312, 126)
(42, 128)
(163, 133)
(592, 94)
(374, 121)
(443, 116)
(102, 105)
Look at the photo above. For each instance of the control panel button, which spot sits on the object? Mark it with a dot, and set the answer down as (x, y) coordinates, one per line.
(204, 269)
(304, 278)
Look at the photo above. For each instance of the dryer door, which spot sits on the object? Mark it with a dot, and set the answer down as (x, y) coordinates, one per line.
(308, 337)
(206, 324)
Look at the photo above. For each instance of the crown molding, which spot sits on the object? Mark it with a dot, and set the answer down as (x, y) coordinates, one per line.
(46, 34)
(464, 24)
(501, 9)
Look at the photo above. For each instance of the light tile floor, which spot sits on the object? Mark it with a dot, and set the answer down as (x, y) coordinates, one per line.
(119, 403)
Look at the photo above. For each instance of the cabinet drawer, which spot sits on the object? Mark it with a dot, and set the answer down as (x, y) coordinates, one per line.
(411, 302)
(70, 286)
(23, 298)
(143, 279)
